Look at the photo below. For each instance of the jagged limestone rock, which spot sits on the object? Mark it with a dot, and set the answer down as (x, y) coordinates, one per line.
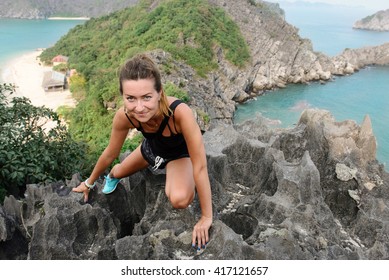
(276, 195)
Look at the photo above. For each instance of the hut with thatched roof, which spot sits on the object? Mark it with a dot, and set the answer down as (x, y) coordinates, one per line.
(53, 81)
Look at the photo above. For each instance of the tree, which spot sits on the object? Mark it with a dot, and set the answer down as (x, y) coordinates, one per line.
(35, 145)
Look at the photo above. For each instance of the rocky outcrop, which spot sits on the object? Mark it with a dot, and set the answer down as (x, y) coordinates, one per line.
(377, 22)
(40, 9)
(311, 192)
(278, 57)
(351, 60)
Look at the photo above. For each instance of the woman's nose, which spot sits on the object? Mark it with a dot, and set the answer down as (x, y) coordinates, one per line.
(139, 105)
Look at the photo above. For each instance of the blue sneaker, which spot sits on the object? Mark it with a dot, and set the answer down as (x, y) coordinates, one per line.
(110, 184)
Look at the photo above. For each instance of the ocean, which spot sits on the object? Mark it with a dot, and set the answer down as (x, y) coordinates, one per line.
(349, 97)
(20, 36)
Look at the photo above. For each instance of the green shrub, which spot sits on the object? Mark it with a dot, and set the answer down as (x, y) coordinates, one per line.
(34, 145)
(62, 67)
(77, 87)
(172, 90)
(204, 116)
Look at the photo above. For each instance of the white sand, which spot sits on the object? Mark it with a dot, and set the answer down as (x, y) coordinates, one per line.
(68, 18)
(26, 73)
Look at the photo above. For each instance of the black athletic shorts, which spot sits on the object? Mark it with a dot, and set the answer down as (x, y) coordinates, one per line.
(156, 162)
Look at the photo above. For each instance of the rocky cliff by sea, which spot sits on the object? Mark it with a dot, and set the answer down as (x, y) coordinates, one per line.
(279, 56)
(377, 22)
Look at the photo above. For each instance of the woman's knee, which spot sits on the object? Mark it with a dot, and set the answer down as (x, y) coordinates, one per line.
(181, 200)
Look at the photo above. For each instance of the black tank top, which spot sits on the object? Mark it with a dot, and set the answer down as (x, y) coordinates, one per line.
(167, 147)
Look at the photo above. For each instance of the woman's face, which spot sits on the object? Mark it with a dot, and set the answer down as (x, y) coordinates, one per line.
(141, 99)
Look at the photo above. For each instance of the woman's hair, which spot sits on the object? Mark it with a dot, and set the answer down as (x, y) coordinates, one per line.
(143, 67)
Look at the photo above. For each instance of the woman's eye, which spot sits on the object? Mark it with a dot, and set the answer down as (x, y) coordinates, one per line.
(147, 97)
(130, 98)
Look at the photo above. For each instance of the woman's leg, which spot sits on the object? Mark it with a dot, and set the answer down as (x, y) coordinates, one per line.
(180, 185)
(130, 165)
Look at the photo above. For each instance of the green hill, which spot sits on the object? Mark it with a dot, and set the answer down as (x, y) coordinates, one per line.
(188, 30)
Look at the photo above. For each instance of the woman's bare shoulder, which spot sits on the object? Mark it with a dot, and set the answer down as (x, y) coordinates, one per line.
(171, 99)
(121, 119)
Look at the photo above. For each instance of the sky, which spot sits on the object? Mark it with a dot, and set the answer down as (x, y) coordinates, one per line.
(371, 4)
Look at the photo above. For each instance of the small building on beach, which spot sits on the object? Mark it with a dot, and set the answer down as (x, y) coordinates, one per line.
(60, 59)
(53, 81)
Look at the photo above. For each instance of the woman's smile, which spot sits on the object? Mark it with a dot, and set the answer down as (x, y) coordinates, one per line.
(141, 116)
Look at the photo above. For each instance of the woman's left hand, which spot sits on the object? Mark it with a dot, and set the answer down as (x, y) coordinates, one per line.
(82, 188)
(200, 235)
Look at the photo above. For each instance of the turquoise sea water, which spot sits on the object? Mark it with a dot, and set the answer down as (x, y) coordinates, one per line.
(348, 97)
(19, 36)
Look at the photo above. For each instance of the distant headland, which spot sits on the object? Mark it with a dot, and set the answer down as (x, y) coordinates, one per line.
(377, 22)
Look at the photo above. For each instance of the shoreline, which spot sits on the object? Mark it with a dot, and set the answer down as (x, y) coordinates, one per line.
(68, 18)
(26, 72)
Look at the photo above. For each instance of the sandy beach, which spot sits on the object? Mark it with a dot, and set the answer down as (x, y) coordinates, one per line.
(68, 18)
(27, 73)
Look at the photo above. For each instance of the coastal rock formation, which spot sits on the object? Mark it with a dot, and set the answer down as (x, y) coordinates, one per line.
(279, 57)
(351, 60)
(377, 22)
(40, 9)
(314, 191)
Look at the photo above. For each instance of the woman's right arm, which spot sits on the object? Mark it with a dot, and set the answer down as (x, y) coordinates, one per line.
(120, 128)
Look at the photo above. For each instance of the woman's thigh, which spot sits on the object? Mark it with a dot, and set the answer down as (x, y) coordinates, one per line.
(133, 163)
(180, 185)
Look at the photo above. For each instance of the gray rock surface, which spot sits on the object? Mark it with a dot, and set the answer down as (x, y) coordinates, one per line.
(315, 191)
(352, 60)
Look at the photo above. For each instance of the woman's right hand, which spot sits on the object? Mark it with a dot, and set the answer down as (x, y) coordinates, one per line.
(82, 188)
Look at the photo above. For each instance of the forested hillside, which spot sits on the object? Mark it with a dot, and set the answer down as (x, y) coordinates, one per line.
(58, 8)
(188, 30)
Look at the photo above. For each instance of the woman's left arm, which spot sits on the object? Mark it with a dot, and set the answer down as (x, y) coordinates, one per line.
(189, 128)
